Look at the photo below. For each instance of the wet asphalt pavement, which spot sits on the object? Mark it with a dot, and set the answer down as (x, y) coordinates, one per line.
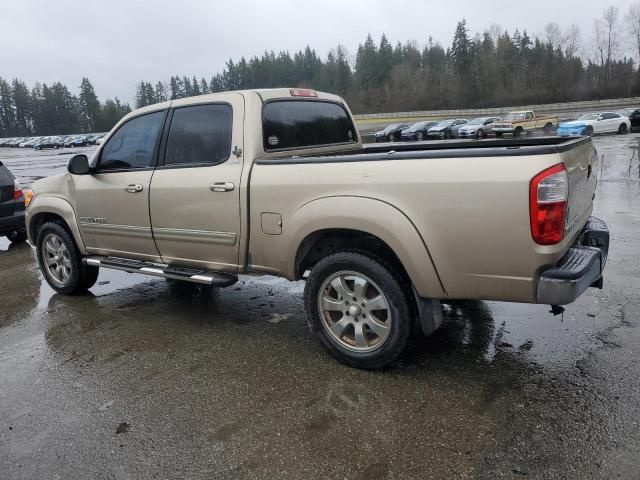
(147, 379)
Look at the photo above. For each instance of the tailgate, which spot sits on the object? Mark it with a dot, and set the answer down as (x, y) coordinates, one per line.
(6, 192)
(581, 162)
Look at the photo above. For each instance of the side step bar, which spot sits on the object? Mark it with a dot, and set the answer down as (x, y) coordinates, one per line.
(217, 279)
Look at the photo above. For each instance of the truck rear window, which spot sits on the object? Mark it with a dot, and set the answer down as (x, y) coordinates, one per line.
(293, 124)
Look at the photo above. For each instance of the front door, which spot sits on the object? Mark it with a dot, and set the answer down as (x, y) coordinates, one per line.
(195, 191)
(113, 202)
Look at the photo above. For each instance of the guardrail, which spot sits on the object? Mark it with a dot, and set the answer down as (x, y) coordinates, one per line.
(479, 112)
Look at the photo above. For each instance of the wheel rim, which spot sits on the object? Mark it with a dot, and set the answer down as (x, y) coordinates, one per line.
(419, 136)
(56, 259)
(354, 311)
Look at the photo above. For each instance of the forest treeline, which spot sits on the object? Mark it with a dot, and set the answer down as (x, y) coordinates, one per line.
(52, 110)
(492, 68)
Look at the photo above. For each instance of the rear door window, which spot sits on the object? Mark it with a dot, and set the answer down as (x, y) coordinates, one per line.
(133, 145)
(296, 124)
(200, 134)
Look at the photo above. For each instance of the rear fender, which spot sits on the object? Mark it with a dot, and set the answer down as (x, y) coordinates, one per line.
(371, 216)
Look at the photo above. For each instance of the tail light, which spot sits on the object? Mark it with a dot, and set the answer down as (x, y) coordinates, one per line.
(548, 195)
(17, 190)
(302, 92)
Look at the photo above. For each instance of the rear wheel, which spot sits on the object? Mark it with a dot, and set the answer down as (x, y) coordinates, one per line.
(518, 131)
(548, 128)
(623, 129)
(360, 309)
(60, 261)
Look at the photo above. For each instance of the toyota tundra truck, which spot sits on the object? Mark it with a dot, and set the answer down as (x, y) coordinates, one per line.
(518, 123)
(278, 182)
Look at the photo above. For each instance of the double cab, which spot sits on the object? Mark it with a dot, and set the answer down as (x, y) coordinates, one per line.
(278, 182)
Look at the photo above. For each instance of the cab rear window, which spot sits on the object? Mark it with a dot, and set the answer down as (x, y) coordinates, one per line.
(297, 124)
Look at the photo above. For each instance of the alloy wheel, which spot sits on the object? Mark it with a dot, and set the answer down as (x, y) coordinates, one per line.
(354, 311)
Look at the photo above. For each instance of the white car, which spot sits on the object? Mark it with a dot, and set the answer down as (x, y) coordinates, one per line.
(592, 123)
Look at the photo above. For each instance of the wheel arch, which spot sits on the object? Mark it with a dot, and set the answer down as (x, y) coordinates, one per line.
(331, 224)
(47, 208)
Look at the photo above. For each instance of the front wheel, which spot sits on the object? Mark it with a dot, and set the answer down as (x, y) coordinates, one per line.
(60, 261)
(419, 136)
(518, 131)
(622, 130)
(359, 307)
(498, 134)
(589, 131)
(392, 138)
(479, 134)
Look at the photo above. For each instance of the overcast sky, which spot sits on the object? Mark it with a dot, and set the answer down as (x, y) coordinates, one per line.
(117, 43)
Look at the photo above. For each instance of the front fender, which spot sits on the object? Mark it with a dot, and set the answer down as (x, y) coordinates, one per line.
(371, 216)
(47, 204)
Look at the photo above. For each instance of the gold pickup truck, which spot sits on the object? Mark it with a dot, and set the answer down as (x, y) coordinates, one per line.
(278, 182)
(518, 123)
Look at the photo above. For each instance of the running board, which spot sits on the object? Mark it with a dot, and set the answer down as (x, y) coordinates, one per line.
(217, 279)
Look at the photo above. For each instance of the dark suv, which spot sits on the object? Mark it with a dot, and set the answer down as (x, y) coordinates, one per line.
(11, 207)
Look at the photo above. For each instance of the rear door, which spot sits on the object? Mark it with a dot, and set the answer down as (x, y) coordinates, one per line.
(6, 192)
(195, 191)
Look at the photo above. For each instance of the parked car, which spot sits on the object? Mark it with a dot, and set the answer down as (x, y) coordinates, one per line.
(288, 189)
(445, 128)
(593, 123)
(417, 131)
(633, 114)
(391, 133)
(478, 127)
(12, 207)
(518, 123)
(48, 142)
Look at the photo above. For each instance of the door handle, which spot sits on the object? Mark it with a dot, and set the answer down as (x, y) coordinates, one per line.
(221, 187)
(134, 188)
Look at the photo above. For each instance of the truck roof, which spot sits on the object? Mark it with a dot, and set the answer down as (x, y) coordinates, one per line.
(263, 94)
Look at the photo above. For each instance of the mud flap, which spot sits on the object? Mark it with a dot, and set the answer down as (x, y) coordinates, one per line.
(429, 312)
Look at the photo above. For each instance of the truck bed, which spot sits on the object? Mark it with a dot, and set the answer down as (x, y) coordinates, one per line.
(441, 149)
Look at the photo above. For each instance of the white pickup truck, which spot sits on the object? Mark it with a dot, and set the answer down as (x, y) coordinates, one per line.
(278, 182)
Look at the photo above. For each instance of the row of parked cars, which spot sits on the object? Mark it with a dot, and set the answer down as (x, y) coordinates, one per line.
(55, 141)
(515, 123)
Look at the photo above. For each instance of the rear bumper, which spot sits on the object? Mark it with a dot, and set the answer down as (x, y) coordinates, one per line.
(579, 269)
(12, 223)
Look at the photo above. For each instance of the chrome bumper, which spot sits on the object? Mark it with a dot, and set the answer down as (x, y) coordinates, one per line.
(579, 269)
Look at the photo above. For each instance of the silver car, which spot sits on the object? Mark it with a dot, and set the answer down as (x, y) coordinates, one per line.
(478, 127)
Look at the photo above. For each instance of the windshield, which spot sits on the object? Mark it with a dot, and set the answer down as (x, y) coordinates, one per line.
(443, 124)
(391, 127)
(626, 112)
(416, 126)
(477, 121)
(589, 116)
(515, 116)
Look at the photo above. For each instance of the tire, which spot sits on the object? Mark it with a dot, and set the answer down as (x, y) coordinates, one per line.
(67, 275)
(623, 130)
(18, 236)
(518, 131)
(498, 134)
(548, 128)
(589, 132)
(479, 134)
(393, 323)
(447, 135)
(392, 138)
(419, 136)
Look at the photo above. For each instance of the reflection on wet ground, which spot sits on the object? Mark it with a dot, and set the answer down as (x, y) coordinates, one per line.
(145, 378)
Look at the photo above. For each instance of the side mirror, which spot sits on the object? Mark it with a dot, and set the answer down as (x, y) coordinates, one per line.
(78, 165)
